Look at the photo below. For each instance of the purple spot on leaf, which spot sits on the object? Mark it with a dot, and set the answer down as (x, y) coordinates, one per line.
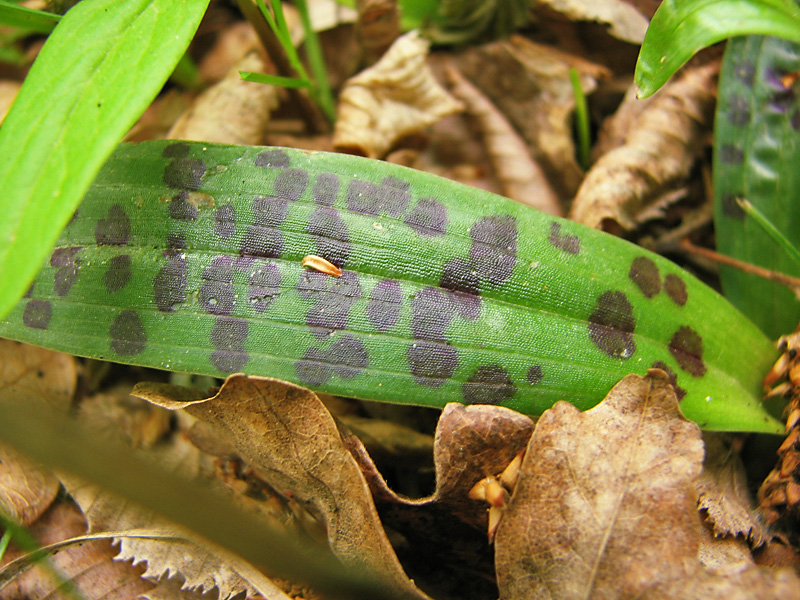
(127, 334)
(37, 314)
(115, 229)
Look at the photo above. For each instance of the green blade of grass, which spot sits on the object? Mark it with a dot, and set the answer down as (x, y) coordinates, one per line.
(276, 80)
(680, 28)
(29, 19)
(98, 71)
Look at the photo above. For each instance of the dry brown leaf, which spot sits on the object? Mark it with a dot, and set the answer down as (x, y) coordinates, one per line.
(165, 547)
(396, 97)
(233, 43)
(530, 85)
(26, 490)
(605, 506)
(88, 565)
(723, 495)
(624, 21)
(232, 111)
(285, 432)
(29, 373)
(657, 155)
(605, 498)
(447, 529)
(378, 27)
(521, 177)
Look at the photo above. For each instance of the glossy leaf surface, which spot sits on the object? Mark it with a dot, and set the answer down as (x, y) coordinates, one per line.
(188, 256)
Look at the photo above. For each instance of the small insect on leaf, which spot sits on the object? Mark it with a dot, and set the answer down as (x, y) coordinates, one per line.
(320, 264)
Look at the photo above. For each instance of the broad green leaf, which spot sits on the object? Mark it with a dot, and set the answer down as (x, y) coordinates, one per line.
(194, 257)
(98, 71)
(680, 28)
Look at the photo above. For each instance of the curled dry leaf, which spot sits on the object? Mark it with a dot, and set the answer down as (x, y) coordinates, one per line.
(285, 433)
(233, 43)
(396, 97)
(378, 27)
(232, 111)
(658, 152)
(166, 548)
(625, 22)
(521, 177)
(529, 83)
(448, 529)
(605, 505)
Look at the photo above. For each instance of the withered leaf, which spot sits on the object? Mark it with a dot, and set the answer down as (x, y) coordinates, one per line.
(724, 498)
(232, 111)
(446, 532)
(660, 147)
(605, 505)
(26, 490)
(396, 97)
(30, 373)
(285, 432)
(522, 178)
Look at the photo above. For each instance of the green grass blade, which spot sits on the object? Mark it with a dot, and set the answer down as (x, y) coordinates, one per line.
(276, 80)
(98, 71)
(29, 19)
(322, 88)
(680, 28)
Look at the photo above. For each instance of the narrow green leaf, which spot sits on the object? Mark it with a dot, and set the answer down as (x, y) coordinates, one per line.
(680, 28)
(756, 151)
(98, 71)
(39, 21)
(276, 80)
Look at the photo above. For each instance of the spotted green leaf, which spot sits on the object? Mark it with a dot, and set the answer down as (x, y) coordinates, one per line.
(757, 149)
(188, 256)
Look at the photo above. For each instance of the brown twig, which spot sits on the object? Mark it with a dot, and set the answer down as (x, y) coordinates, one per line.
(793, 283)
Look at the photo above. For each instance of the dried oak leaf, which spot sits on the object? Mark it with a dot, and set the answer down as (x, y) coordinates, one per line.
(286, 434)
(396, 97)
(605, 505)
(26, 490)
(29, 373)
(662, 143)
